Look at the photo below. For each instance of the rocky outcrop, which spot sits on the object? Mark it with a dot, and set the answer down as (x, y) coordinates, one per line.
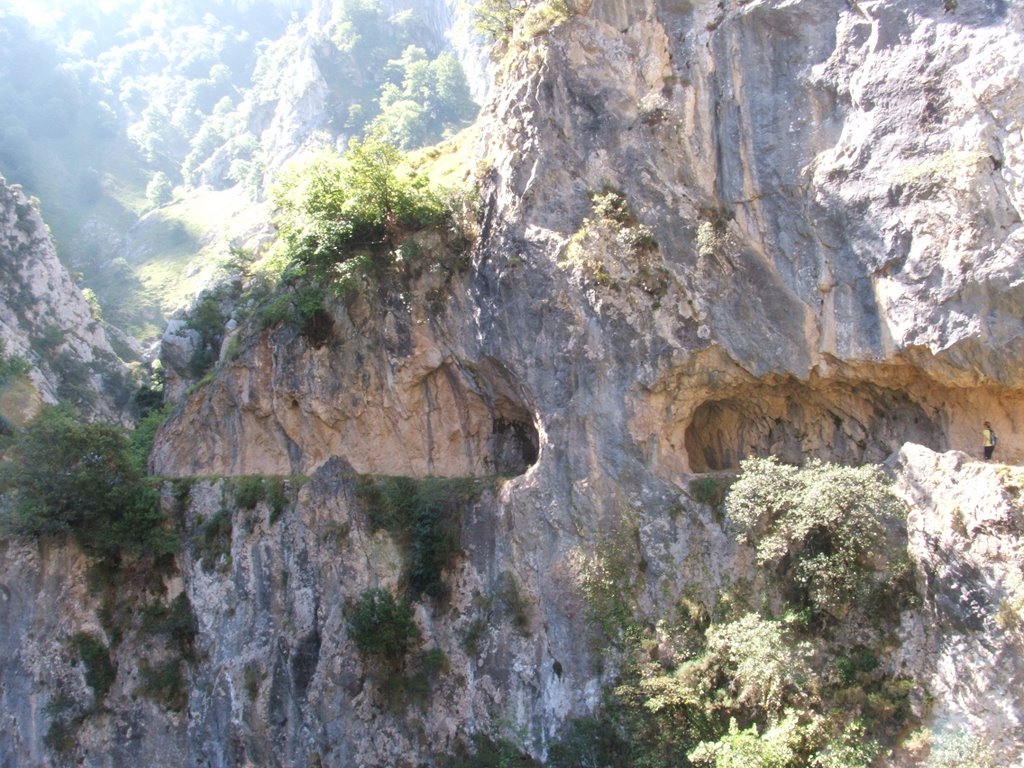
(45, 319)
(811, 248)
(384, 387)
(965, 526)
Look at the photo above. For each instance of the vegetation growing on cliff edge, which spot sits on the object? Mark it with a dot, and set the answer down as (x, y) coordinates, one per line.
(382, 627)
(348, 222)
(334, 205)
(508, 22)
(425, 515)
(822, 528)
(69, 477)
(789, 678)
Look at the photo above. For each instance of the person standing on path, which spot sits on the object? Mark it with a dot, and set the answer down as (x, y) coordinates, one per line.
(988, 440)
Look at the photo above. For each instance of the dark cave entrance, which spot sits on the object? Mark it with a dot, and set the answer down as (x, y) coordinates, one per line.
(514, 443)
(796, 423)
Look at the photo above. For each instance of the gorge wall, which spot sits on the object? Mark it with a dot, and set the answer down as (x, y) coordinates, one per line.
(46, 321)
(708, 231)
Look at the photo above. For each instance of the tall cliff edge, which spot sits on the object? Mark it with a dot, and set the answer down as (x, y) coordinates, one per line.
(709, 231)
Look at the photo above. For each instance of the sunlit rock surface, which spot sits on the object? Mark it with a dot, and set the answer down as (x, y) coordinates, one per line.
(822, 258)
(45, 319)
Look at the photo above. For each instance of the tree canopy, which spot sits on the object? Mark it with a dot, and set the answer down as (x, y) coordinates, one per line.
(68, 476)
(333, 204)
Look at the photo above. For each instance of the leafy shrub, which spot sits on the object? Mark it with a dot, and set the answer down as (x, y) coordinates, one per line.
(432, 94)
(47, 341)
(854, 666)
(207, 319)
(382, 628)
(510, 595)
(80, 478)
(608, 580)
(277, 498)
(823, 524)
(66, 718)
(767, 670)
(545, 16)
(177, 621)
(11, 366)
(496, 20)
(710, 490)
(159, 189)
(335, 205)
(250, 491)
(296, 307)
(850, 749)
(959, 749)
(492, 753)
(776, 748)
(425, 515)
(99, 670)
(140, 440)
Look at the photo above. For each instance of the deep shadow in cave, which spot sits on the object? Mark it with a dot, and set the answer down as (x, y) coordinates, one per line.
(513, 446)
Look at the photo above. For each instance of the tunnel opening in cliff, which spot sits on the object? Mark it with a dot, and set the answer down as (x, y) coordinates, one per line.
(845, 423)
(514, 442)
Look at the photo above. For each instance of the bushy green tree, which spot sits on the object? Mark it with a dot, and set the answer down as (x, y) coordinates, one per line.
(99, 670)
(777, 747)
(68, 476)
(158, 191)
(429, 97)
(767, 668)
(11, 366)
(334, 205)
(960, 749)
(822, 524)
(496, 19)
(382, 627)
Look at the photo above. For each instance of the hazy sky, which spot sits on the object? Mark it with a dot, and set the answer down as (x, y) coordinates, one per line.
(39, 12)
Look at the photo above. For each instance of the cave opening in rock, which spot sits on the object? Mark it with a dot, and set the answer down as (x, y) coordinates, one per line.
(845, 424)
(514, 444)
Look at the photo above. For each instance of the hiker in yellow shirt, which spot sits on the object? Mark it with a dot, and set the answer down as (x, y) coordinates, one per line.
(988, 440)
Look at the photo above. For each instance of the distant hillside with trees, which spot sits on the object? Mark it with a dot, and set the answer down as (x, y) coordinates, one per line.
(108, 111)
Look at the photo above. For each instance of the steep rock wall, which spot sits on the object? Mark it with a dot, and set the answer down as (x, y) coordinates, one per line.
(965, 643)
(275, 677)
(45, 319)
(815, 209)
(834, 274)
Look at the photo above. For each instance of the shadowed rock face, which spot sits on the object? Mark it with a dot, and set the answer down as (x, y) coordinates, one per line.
(795, 422)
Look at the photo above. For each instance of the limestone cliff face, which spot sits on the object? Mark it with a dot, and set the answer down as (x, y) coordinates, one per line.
(820, 257)
(45, 319)
(965, 535)
(833, 192)
(275, 677)
(831, 196)
(814, 251)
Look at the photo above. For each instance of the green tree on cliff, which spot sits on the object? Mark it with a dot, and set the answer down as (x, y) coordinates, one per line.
(334, 205)
(68, 476)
